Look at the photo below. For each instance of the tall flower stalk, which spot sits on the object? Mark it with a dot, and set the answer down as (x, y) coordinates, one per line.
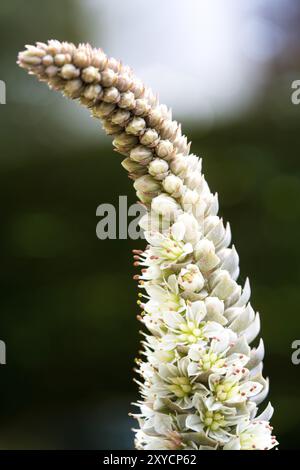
(201, 381)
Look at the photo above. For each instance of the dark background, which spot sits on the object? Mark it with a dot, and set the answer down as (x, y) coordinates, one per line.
(68, 301)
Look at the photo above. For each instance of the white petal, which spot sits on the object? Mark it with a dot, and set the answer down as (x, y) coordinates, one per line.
(193, 422)
(178, 231)
(267, 414)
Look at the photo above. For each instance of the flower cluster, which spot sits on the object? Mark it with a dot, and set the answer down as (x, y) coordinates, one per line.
(201, 381)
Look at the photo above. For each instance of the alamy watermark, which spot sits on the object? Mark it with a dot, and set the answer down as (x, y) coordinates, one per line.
(295, 96)
(296, 354)
(2, 92)
(2, 352)
(125, 221)
(115, 224)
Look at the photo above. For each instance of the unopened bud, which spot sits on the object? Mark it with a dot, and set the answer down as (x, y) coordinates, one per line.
(179, 166)
(124, 82)
(69, 71)
(51, 71)
(98, 59)
(27, 59)
(127, 100)
(81, 59)
(205, 255)
(92, 92)
(192, 233)
(215, 309)
(141, 154)
(136, 125)
(60, 60)
(141, 107)
(125, 142)
(113, 64)
(193, 179)
(214, 229)
(181, 144)
(190, 279)
(165, 205)
(48, 60)
(158, 168)
(164, 149)
(110, 128)
(36, 51)
(134, 169)
(103, 110)
(108, 77)
(222, 285)
(148, 185)
(120, 117)
(111, 95)
(54, 47)
(173, 185)
(137, 87)
(149, 138)
(154, 117)
(190, 198)
(150, 97)
(73, 88)
(168, 129)
(90, 74)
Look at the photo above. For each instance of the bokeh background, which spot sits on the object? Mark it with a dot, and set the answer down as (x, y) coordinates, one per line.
(68, 301)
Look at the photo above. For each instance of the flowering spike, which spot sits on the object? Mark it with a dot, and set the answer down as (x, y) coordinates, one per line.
(201, 380)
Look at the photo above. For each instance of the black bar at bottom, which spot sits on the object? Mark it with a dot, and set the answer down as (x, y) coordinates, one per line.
(133, 458)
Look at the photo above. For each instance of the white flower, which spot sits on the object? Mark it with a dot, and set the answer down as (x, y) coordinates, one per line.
(151, 273)
(173, 382)
(190, 328)
(214, 358)
(234, 387)
(252, 435)
(159, 430)
(169, 441)
(158, 352)
(169, 249)
(190, 278)
(164, 298)
(215, 420)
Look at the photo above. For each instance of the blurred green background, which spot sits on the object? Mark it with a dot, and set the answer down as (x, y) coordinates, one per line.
(68, 301)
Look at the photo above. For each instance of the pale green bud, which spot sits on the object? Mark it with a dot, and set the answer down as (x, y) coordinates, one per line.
(158, 168)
